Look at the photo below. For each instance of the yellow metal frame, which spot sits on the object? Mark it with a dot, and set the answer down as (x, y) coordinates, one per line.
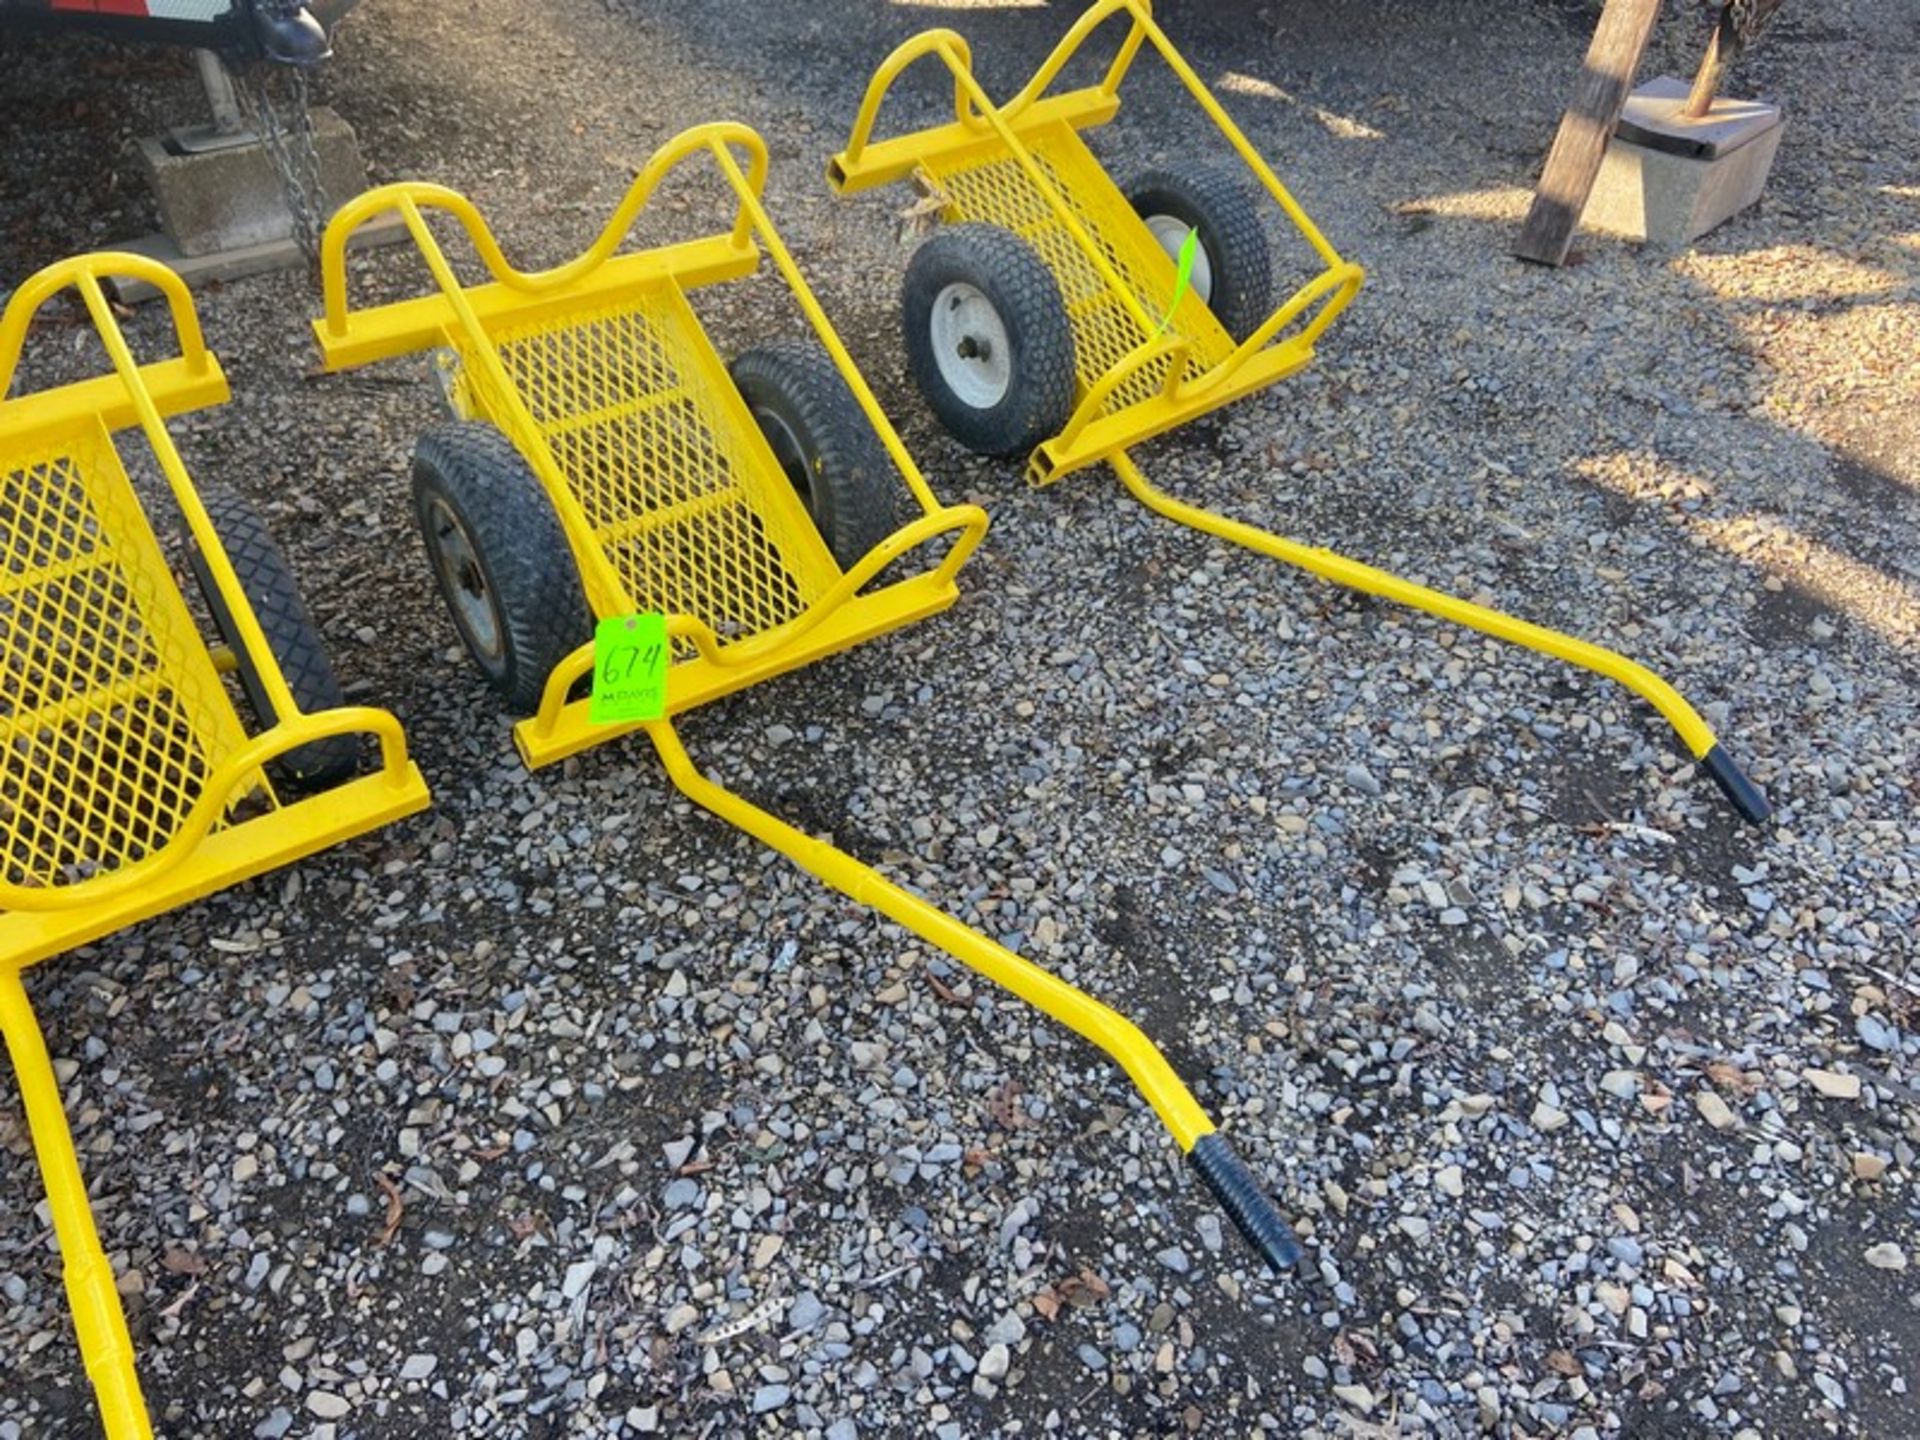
(839, 614)
(59, 700)
(1078, 196)
(469, 322)
(1167, 379)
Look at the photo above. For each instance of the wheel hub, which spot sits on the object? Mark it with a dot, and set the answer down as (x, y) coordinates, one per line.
(971, 346)
(1171, 232)
(464, 581)
(791, 455)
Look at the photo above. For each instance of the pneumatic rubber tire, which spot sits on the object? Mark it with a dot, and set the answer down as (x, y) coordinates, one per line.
(500, 557)
(829, 452)
(292, 637)
(1025, 395)
(1238, 287)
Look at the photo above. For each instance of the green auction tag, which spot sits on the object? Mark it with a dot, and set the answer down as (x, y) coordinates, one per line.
(630, 658)
(1183, 281)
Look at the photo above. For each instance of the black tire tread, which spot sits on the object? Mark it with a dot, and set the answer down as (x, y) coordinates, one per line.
(1220, 203)
(267, 581)
(1011, 273)
(857, 499)
(520, 544)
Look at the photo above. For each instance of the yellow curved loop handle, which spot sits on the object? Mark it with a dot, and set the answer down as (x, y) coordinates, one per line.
(1341, 283)
(421, 195)
(214, 798)
(949, 45)
(1141, 12)
(952, 47)
(99, 266)
(1094, 403)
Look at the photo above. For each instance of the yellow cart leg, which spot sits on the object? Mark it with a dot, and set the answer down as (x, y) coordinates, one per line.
(97, 1317)
(1693, 731)
(1204, 1147)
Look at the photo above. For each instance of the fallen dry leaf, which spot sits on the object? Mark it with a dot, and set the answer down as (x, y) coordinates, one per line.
(1004, 1106)
(182, 1262)
(1083, 1291)
(1732, 1077)
(396, 1210)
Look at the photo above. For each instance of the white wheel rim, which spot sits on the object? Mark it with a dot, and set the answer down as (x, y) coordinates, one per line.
(1171, 232)
(970, 346)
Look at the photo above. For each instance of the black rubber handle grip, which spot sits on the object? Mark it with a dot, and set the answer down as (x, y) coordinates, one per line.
(1745, 795)
(1245, 1202)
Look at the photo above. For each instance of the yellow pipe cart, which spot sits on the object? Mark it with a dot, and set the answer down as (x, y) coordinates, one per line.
(129, 784)
(605, 464)
(1048, 315)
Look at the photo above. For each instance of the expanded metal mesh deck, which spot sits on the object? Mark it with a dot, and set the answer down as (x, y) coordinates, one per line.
(996, 190)
(111, 712)
(633, 412)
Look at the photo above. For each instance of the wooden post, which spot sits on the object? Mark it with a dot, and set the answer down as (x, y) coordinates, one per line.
(1598, 98)
(1706, 84)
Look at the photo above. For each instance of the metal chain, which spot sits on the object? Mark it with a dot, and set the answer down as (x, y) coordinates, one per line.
(286, 134)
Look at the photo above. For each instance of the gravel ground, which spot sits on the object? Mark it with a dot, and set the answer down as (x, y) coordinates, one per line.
(565, 1109)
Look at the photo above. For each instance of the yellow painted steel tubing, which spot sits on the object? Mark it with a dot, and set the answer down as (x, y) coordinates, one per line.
(363, 208)
(97, 1317)
(45, 284)
(84, 273)
(1118, 1036)
(967, 522)
(1693, 731)
(153, 425)
(1106, 1028)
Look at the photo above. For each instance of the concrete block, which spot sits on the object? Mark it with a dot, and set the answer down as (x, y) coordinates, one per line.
(213, 201)
(200, 271)
(1669, 180)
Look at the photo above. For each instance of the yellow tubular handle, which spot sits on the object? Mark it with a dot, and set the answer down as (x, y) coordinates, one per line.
(1686, 721)
(1206, 1150)
(103, 265)
(97, 1317)
(218, 792)
(1106, 1028)
(374, 203)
